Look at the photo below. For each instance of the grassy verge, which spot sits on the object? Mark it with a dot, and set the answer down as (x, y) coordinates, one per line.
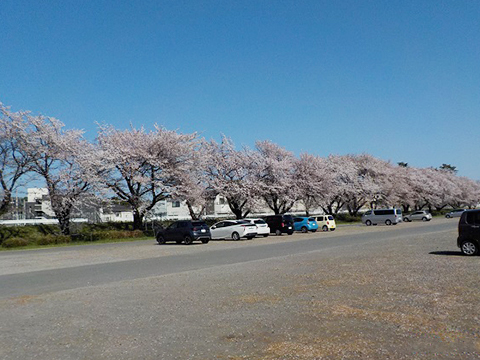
(35, 246)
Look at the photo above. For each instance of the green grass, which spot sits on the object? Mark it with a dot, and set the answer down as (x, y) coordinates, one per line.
(34, 246)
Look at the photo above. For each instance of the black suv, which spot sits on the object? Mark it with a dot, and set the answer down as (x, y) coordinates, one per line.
(185, 231)
(280, 224)
(469, 232)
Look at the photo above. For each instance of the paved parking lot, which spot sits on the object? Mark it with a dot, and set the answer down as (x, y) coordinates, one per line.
(401, 292)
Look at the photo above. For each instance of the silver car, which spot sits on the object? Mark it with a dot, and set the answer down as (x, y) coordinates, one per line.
(418, 215)
(454, 213)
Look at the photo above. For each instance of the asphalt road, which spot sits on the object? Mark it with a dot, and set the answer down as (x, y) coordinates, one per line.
(39, 282)
(397, 292)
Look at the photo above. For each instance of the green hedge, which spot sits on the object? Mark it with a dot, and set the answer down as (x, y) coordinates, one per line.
(18, 236)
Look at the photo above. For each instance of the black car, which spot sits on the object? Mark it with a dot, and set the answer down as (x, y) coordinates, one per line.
(469, 232)
(280, 224)
(185, 231)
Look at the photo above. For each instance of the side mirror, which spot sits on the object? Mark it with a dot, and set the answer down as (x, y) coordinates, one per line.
(213, 227)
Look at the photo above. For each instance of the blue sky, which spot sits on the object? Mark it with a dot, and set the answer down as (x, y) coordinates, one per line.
(397, 79)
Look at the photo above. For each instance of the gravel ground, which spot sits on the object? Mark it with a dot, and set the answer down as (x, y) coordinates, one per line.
(409, 297)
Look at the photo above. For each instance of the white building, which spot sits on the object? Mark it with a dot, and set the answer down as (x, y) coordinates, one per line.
(38, 204)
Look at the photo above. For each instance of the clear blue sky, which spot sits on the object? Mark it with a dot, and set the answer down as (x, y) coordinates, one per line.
(397, 79)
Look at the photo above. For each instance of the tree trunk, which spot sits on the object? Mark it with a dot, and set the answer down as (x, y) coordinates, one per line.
(64, 223)
(193, 215)
(5, 203)
(137, 220)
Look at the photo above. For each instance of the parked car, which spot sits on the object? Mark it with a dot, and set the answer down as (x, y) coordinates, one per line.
(279, 224)
(305, 224)
(469, 232)
(185, 231)
(418, 215)
(233, 229)
(382, 216)
(454, 213)
(326, 222)
(262, 226)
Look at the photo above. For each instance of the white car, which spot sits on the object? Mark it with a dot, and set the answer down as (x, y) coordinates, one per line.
(262, 227)
(233, 229)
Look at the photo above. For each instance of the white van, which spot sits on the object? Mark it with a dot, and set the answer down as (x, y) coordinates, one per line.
(382, 216)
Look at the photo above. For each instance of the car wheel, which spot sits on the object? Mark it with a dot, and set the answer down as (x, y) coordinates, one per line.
(304, 229)
(160, 239)
(278, 232)
(187, 240)
(324, 228)
(235, 236)
(469, 248)
(424, 219)
(250, 237)
(368, 223)
(447, 216)
(388, 222)
(205, 241)
(406, 219)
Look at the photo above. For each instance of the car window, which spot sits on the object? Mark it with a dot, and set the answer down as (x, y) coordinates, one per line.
(369, 212)
(259, 222)
(473, 218)
(182, 224)
(173, 225)
(311, 219)
(330, 217)
(298, 219)
(220, 224)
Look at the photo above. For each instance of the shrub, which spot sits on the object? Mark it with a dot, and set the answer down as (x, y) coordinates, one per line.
(53, 239)
(345, 217)
(15, 242)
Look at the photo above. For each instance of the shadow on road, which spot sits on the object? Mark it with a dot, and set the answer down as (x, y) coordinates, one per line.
(447, 253)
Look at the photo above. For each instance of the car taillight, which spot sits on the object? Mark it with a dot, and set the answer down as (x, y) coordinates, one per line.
(328, 223)
(283, 225)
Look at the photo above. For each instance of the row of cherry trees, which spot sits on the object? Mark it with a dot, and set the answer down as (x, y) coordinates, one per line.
(144, 167)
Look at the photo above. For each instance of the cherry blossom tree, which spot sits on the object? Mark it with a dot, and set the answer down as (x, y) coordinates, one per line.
(469, 193)
(313, 181)
(143, 168)
(276, 175)
(231, 174)
(193, 184)
(56, 155)
(14, 163)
